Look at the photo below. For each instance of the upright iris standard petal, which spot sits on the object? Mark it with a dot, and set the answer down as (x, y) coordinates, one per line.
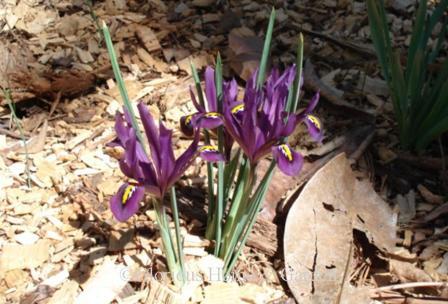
(288, 161)
(314, 126)
(210, 89)
(151, 133)
(210, 153)
(125, 202)
(166, 154)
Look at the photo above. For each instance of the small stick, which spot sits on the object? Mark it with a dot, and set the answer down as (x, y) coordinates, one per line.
(411, 285)
(10, 133)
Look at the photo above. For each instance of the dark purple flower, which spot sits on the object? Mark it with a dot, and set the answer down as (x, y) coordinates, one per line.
(208, 117)
(156, 173)
(260, 123)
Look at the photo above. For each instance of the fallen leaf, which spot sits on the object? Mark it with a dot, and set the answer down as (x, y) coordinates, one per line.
(408, 272)
(244, 52)
(331, 205)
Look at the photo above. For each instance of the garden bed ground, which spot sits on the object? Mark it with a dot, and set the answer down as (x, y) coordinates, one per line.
(58, 240)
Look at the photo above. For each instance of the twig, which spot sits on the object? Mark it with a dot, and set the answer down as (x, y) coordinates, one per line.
(411, 285)
(363, 51)
(10, 133)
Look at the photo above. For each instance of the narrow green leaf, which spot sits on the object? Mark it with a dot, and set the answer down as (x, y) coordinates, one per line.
(418, 33)
(230, 172)
(266, 50)
(121, 85)
(440, 127)
(439, 44)
(298, 80)
(437, 112)
(248, 223)
(180, 252)
(197, 83)
(380, 36)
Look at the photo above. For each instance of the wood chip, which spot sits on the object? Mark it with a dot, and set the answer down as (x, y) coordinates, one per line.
(24, 256)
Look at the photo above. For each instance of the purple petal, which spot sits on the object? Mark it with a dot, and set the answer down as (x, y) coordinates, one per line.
(290, 125)
(122, 131)
(211, 154)
(184, 160)
(186, 125)
(314, 126)
(166, 153)
(125, 202)
(288, 161)
(209, 120)
(195, 102)
(210, 89)
(133, 155)
(151, 133)
(150, 182)
(312, 104)
(230, 91)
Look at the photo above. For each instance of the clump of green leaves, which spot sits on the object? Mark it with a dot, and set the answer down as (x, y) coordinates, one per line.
(419, 94)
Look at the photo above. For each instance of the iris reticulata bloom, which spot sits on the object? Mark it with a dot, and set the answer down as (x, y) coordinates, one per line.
(154, 174)
(260, 122)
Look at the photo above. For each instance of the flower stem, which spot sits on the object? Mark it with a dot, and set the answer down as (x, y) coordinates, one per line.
(180, 252)
(219, 207)
(238, 208)
(167, 240)
(246, 228)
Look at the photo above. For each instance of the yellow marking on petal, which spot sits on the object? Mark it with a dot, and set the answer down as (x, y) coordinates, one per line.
(238, 108)
(127, 194)
(208, 149)
(286, 151)
(314, 120)
(212, 114)
(188, 119)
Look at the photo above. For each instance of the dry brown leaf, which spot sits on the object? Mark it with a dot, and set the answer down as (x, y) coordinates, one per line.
(408, 272)
(319, 232)
(36, 143)
(244, 52)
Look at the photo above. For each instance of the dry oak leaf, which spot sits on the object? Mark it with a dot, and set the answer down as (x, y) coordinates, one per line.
(319, 233)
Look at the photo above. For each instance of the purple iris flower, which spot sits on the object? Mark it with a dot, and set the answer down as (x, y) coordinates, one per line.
(154, 173)
(209, 117)
(262, 124)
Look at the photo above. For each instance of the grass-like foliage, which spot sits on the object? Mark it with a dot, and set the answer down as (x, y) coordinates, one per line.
(419, 88)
